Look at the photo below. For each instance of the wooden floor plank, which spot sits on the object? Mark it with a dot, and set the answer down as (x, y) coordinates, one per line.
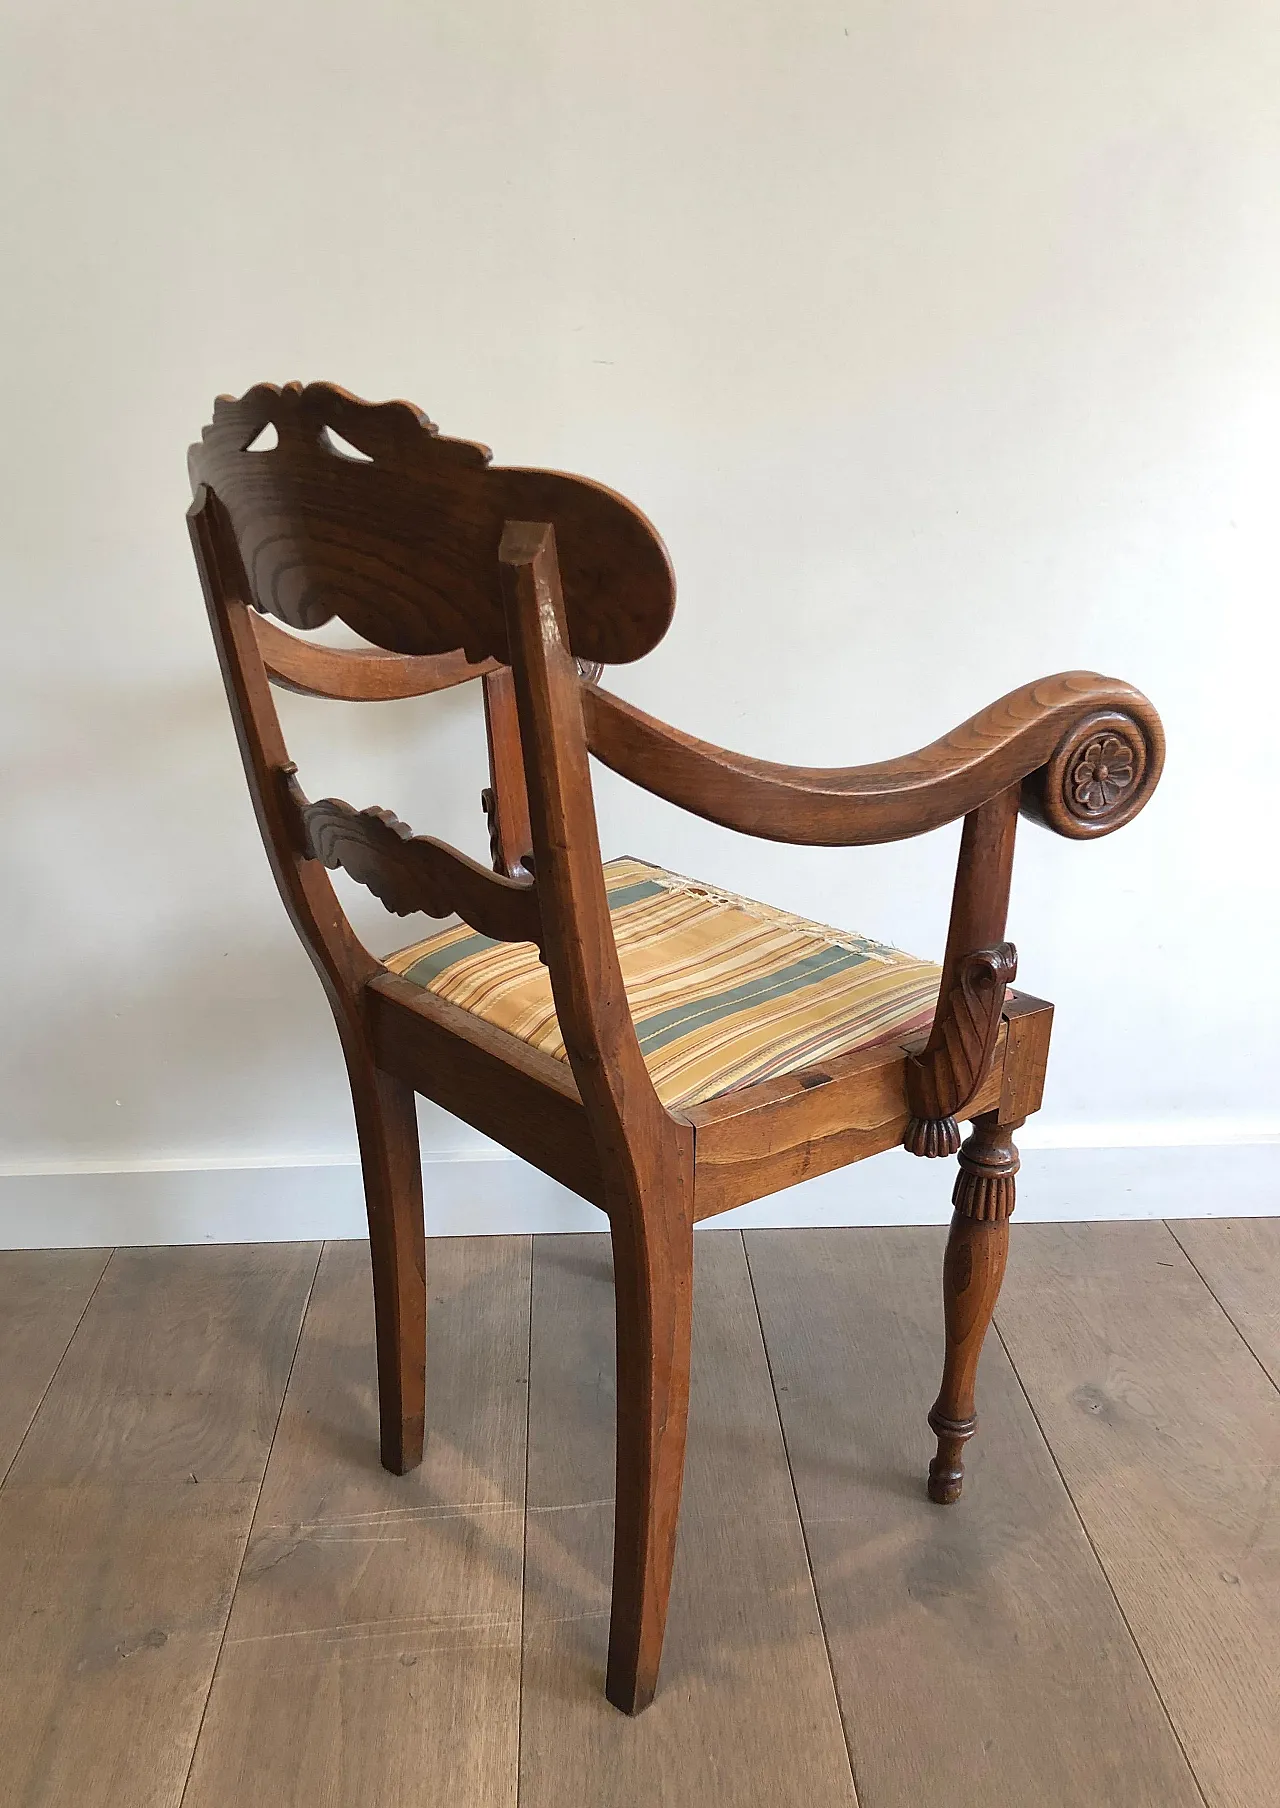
(1168, 1434)
(374, 1647)
(43, 1293)
(124, 1516)
(980, 1656)
(745, 1712)
(1239, 1259)
(373, 1652)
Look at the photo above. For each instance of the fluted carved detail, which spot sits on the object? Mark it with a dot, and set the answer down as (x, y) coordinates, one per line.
(985, 1189)
(409, 872)
(984, 1197)
(932, 1137)
(945, 1078)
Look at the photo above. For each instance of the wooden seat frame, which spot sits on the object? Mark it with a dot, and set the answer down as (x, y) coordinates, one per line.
(351, 509)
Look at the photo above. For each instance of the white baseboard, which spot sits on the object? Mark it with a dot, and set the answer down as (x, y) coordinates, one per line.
(470, 1194)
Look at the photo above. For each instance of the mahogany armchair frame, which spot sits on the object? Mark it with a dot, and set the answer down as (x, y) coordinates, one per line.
(309, 530)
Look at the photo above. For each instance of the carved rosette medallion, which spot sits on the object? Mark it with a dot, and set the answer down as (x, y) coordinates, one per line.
(1104, 770)
(1100, 776)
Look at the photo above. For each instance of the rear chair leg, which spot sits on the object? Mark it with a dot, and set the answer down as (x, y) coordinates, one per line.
(387, 1127)
(971, 1275)
(653, 1283)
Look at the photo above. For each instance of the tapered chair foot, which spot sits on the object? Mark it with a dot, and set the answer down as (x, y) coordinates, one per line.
(387, 1126)
(630, 1694)
(946, 1471)
(972, 1270)
(401, 1446)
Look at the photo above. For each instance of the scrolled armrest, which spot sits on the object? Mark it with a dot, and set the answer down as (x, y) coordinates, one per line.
(1087, 750)
(1101, 773)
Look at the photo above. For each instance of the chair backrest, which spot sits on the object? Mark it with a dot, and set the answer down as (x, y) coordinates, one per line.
(436, 558)
(397, 534)
(361, 511)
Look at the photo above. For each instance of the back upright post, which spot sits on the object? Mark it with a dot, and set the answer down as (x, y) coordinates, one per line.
(385, 1111)
(646, 1154)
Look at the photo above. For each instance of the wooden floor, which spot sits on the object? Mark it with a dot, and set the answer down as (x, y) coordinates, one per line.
(211, 1595)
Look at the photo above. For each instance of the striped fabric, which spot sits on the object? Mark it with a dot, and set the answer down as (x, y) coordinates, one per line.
(724, 992)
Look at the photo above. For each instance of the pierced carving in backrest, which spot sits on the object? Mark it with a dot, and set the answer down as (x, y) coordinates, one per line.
(398, 536)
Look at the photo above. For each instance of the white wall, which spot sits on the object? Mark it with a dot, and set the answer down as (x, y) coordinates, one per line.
(941, 342)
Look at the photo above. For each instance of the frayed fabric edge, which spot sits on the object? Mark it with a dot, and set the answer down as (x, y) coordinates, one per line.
(782, 919)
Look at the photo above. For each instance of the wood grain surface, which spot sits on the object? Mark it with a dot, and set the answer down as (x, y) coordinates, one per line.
(1011, 741)
(401, 540)
(646, 1152)
(366, 674)
(1238, 1259)
(980, 1657)
(409, 873)
(373, 1656)
(1167, 1432)
(747, 1714)
(123, 1520)
(43, 1293)
(1094, 1623)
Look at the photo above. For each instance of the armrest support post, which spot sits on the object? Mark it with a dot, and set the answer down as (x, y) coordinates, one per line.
(976, 968)
(980, 899)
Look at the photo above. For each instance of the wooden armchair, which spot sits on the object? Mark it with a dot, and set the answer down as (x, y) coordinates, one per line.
(666, 1050)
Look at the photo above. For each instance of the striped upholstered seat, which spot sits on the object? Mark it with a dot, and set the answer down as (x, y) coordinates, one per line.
(724, 991)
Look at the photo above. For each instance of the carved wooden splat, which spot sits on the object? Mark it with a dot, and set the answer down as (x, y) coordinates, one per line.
(409, 872)
(401, 543)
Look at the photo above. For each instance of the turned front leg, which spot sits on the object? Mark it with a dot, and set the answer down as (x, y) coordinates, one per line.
(972, 1271)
